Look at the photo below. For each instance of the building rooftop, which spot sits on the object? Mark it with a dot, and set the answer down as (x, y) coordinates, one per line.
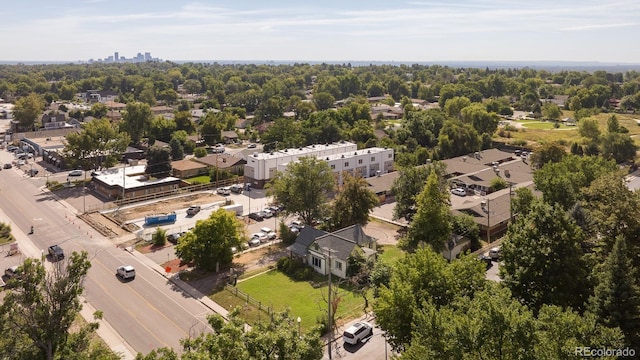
(132, 177)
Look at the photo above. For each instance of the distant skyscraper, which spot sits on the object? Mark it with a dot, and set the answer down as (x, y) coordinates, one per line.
(147, 56)
(115, 56)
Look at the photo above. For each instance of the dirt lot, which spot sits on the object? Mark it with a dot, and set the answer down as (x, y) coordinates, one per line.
(110, 225)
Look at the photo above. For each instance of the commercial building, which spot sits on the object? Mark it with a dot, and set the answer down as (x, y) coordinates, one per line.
(341, 156)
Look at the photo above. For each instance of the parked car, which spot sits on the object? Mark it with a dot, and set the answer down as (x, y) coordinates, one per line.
(251, 146)
(260, 236)
(236, 188)
(357, 332)
(486, 260)
(33, 172)
(126, 272)
(12, 148)
(223, 191)
(494, 253)
(173, 238)
(265, 230)
(271, 235)
(7, 166)
(254, 242)
(76, 173)
(256, 216)
(11, 272)
(193, 209)
(268, 213)
(459, 192)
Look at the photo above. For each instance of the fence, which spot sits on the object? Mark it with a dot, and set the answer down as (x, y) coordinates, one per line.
(249, 300)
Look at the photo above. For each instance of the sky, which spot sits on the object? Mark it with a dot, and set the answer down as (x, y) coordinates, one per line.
(328, 30)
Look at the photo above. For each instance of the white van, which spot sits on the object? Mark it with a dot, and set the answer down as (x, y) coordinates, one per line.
(494, 253)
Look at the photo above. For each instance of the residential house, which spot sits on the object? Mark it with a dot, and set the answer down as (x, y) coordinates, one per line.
(229, 137)
(326, 252)
(184, 169)
(233, 164)
(54, 120)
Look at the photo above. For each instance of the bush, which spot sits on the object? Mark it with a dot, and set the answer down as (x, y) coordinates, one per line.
(519, 142)
(200, 152)
(159, 237)
(295, 269)
(288, 237)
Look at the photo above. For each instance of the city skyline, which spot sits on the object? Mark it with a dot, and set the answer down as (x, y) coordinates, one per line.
(408, 31)
(117, 58)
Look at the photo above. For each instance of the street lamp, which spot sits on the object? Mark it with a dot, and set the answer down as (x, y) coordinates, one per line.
(299, 321)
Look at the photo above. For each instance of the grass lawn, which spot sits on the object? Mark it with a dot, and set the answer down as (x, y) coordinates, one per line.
(390, 254)
(202, 179)
(280, 292)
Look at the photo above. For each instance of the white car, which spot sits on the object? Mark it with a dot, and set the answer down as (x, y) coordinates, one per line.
(126, 272)
(265, 230)
(357, 332)
(254, 242)
(262, 237)
(494, 253)
(459, 192)
(76, 173)
(224, 191)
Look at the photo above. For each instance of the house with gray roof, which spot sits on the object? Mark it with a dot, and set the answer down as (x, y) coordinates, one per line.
(326, 252)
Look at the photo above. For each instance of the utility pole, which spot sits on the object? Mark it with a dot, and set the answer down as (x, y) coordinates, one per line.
(328, 251)
(488, 221)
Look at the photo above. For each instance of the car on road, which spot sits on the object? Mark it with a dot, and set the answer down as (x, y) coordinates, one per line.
(126, 272)
(193, 209)
(76, 173)
(251, 146)
(494, 253)
(56, 252)
(32, 172)
(7, 166)
(357, 332)
(459, 192)
(236, 188)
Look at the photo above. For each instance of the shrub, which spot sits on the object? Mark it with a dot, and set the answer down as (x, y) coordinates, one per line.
(519, 142)
(288, 237)
(200, 152)
(295, 269)
(159, 237)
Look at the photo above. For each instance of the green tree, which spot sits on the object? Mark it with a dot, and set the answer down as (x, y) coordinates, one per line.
(161, 128)
(420, 279)
(98, 145)
(27, 109)
(148, 95)
(99, 110)
(287, 132)
(177, 150)
(457, 138)
(158, 162)
(200, 152)
(589, 128)
(353, 203)
(616, 298)
(410, 183)
(208, 245)
(136, 120)
(543, 263)
(431, 224)
(192, 86)
(183, 121)
(551, 111)
(454, 106)
(561, 182)
(277, 338)
(303, 188)
(323, 101)
(549, 152)
(40, 310)
(619, 147)
(482, 121)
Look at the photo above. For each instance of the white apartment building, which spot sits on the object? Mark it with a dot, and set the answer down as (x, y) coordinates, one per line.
(341, 156)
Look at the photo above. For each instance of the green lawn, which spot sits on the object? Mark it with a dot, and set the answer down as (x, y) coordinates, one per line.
(390, 254)
(280, 292)
(546, 125)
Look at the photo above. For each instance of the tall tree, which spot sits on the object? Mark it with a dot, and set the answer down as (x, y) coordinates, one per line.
(136, 120)
(177, 150)
(410, 183)
(158, 162)
(543, 259)
(353, 203)
(41, 308)
(432, 223)
(616, 299)
(418, 280)
(209, 244)
(302, 188)
(27, 109)
(98, 145)
(549, 152)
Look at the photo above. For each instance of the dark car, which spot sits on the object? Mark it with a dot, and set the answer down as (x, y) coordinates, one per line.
(33, 172)
(173, 238)
(257, 216)
(6, 166)
(486, 260)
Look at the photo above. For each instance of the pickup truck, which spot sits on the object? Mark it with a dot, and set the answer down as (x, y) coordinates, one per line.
(193, 209)
(56, 252)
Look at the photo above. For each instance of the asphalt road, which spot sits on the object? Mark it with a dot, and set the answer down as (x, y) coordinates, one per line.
(371, 348)
(148, 312)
